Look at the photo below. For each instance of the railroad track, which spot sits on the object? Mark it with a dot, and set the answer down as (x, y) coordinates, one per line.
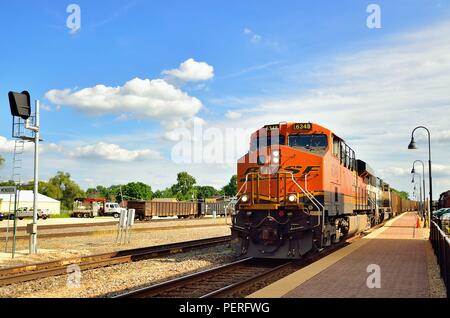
(25, 273)
(211, 282)
(113, 230)
(61, 226)
(235, 280)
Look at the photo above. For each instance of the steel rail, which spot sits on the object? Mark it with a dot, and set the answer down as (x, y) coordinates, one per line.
(25, 273)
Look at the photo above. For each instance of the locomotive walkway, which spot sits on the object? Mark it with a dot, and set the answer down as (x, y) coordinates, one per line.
(396, 260)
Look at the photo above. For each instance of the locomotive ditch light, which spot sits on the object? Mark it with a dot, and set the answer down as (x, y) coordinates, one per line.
(244, 198)
(292, 198)
(20, 104)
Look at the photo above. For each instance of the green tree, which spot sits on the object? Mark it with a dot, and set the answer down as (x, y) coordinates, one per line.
(7, 183)
(136, 191)
(98, 192)
(204, 192)
(2, 161)
(402, 194)
(184, 188)
(50, 190)
(166, 193)
(69, 189)
(231, 188)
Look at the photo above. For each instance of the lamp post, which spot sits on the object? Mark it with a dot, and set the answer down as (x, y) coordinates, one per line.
(423, 181)
(412, 145)
(421, 204)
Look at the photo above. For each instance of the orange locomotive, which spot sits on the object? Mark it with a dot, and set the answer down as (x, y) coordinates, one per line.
(301, 188)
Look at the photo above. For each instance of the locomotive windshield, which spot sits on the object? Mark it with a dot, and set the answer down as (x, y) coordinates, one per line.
(266, 141)
(309, 142)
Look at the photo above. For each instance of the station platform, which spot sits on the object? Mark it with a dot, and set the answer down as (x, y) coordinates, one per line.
(394, 261)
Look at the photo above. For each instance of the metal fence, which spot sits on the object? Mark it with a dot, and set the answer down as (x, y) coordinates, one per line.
(441, 246)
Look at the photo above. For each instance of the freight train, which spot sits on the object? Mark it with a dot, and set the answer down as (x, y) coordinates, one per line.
(301, 189)
(146, 210)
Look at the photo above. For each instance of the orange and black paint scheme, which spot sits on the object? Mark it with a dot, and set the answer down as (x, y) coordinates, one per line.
(300, 189)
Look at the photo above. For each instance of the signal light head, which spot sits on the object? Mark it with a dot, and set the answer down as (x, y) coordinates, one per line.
(20, 104)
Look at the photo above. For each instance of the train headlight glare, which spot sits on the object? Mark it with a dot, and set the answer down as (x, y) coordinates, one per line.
(244, 198)
(276, 153)
(276, 160)
(292, 198)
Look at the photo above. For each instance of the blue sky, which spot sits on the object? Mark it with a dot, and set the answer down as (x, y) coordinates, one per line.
(265, 54)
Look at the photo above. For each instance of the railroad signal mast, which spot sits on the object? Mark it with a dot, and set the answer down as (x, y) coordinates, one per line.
(20, 105)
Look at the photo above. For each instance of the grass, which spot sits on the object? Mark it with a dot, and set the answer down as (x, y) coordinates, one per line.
(60, 216)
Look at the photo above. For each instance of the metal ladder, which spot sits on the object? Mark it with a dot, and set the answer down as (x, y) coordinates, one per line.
(16, 176)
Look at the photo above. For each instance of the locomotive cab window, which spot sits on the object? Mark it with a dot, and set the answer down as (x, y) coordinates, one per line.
(336, 148)
(266, 141)
(311, 142)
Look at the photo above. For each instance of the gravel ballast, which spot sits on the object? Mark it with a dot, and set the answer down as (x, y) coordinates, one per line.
(68, 247)
(109, 281)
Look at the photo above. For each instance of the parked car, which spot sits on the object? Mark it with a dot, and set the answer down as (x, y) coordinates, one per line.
(438, 213)
(28, 213)
(445, 222)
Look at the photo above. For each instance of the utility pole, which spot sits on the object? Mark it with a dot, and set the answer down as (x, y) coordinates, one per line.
(20, 105)
(32, 228)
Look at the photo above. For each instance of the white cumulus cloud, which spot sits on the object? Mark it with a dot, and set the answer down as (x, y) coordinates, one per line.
(191, 70)
(6, 145)
(233, 115)
(154, 99)
(113, 152)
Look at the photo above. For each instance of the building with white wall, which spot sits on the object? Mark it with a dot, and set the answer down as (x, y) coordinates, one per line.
(45, 203)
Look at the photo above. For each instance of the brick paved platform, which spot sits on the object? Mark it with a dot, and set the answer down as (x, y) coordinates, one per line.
(398, 248)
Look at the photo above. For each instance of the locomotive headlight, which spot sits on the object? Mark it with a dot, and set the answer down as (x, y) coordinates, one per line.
(276, 160)
(244, 198)
(276, 153)
(292, 198)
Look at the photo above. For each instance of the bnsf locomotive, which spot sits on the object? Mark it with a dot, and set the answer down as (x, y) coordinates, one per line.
(301, 188)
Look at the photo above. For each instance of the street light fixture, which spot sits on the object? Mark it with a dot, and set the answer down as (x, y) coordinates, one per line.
(412, 145)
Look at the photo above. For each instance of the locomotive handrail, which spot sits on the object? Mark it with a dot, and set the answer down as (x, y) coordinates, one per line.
(237, 194)
(312, 199)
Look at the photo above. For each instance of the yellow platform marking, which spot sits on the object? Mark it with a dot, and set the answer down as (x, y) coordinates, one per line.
(292, 281)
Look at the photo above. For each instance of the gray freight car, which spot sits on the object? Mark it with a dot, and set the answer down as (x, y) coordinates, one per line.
(146, 210)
